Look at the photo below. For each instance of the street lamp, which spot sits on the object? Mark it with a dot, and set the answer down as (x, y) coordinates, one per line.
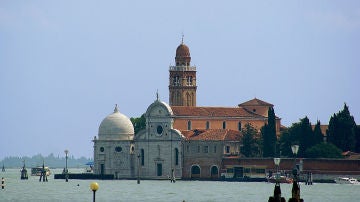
(295, 191)
(66, 169)
(295, 149)
(94, 186)
(277, 163)
(277, 191)
(277, 175)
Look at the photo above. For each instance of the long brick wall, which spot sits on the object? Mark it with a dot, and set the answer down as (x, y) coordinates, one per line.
(319, 166)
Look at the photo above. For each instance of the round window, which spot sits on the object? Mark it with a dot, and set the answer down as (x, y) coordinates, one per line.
(159, 129)
(118, 149)
(102, 149)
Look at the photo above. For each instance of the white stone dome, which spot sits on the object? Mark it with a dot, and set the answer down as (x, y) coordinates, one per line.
(116, 126)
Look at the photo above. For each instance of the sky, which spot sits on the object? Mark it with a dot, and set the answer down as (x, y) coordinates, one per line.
(65, 64)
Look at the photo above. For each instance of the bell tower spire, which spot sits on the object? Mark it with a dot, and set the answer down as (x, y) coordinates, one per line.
(182, 78)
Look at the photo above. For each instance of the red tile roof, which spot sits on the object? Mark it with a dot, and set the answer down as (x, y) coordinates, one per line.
(213, 112)
(255, 102)
(213, 134)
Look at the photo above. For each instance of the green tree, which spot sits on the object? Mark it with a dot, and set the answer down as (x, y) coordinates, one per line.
(284, 143)
(250, 147)
(323, 150)
(318, 135)
(288, 138)
(341, 131)
(138, 123)
(307, 137)
(357, 137)
(299, 133)
(268, 133)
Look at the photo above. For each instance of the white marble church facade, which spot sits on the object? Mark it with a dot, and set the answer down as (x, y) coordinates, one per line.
(155, 151)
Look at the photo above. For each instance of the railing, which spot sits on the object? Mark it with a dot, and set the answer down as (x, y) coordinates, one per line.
(182, 68)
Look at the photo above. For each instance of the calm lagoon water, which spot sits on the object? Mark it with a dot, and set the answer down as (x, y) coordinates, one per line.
(153, 190)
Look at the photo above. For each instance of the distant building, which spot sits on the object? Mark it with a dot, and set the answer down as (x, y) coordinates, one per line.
(181, 137)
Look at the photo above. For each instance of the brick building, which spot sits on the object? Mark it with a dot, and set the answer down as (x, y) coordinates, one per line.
(180, 138)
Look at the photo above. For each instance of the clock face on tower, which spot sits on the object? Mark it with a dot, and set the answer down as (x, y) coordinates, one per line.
(159, 129)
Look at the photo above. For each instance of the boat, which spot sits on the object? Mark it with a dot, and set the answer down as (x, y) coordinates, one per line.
(37, 171)
(280, 179)
(346, 180)
(89, 169)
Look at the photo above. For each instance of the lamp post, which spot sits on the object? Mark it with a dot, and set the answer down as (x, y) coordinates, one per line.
(277, 191)
(295, 149)
(94, 186)
(277, 163)
(66, 169)
(295, 191)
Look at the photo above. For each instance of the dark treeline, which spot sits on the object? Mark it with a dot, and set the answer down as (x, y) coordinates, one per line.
(50, 161)
(342, 135)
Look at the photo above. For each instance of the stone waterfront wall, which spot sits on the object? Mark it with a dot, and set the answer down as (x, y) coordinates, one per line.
(321, 168)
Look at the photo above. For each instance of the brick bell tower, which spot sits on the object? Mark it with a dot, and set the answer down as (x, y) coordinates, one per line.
(182, 79)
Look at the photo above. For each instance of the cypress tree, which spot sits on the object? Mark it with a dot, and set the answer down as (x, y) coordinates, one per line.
(268, 132)
(307, 138)
(318, 135)
(342, 129)
(357, 137)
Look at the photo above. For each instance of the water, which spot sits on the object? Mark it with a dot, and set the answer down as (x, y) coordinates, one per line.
(153, 190)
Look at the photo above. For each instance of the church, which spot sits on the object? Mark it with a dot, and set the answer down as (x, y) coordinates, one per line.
(181, 140)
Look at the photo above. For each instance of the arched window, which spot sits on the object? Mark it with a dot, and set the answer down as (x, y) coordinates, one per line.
(214, 171)
(176, 156)
(239, 126)
(224, 124)
(193, 99)
(142, 157)
(195, 171)
(178, 98)
(189, 125)
(189, 81)
(207, 124)
(176, 80)
(188, 99)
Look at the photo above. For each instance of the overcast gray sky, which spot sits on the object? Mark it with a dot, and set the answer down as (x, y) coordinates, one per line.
(65, 64)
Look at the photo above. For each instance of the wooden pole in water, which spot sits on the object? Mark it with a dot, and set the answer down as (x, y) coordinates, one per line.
(138, 169)
(2, 183)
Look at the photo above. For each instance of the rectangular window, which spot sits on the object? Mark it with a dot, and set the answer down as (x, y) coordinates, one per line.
(206, 149)
(142, 157)
(215, 149)
(224, 125)
(198, 149)
(227, 149)
(159, 169)
(176, 156)
(187, 148)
